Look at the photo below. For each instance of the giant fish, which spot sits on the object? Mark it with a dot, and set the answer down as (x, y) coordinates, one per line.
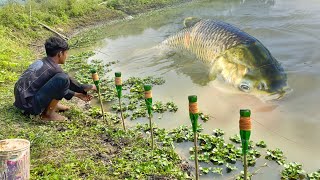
(238, 57)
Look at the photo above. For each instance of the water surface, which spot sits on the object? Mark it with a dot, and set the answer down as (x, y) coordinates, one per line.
(288, 28)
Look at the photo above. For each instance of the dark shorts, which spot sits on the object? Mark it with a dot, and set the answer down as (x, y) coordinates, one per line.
(56, 88)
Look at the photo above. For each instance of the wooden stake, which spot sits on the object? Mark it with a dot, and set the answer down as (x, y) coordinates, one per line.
(245, 167)
(50, 29)
(194, 115)
(118, 83)
(245, 132)
(96, 81)
(196, 155)
(101, 104)
(124, 127)
(151, 131)
(148, 100)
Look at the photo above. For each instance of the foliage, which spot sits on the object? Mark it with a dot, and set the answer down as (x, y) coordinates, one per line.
(230, 168)
(204, 117)
(12, 56)
(314, 175)
(21, 33)
(51, 12)
(241, 176)
(84, 147)
(74, 149)
(205, 170)
(217, 170)
(276, 155)
(218, 132)
(235, 139)
(261, 144)
(138, 162)
(135, 6)
(293, 171)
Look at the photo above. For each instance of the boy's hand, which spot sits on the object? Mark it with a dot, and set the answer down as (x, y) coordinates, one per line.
(83, 97)
(94, 88)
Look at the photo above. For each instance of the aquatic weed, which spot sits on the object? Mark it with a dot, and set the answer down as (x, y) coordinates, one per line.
(218, 132)
(139, 112)
(230, 168)
(261, 144)
(241, 176)
(275, 155)
(159, 107)
(205, 170)
(235, 139)
(217, 170)
(116, 107)
(293, 171)
(204, 117)
(314, 175)
(171, 106)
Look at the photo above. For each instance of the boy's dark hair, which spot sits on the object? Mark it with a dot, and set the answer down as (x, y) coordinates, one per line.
(54, 45)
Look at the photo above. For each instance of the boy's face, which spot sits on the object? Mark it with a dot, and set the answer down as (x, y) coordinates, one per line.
(62, 57)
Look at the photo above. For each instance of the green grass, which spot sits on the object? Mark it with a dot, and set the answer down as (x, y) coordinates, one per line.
(84, 147)
(22, 37)
(138, 6)
(13, 56)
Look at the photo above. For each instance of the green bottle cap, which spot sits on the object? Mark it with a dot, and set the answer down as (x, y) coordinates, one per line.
(117, 74)
(192, 98)
(93, 71)
(245, 112)
(147, 87)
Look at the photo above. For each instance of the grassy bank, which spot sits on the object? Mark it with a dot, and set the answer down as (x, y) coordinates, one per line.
(22, 33)
(84, 147)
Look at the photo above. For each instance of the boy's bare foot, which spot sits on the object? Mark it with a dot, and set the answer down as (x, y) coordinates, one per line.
(61, 107)
(53, 117)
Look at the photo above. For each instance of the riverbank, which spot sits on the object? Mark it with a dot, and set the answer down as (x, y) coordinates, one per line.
(84, 147)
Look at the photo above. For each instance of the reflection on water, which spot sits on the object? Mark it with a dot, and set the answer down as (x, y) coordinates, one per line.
(288, 28)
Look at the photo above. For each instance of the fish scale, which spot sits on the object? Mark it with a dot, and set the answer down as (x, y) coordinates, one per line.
(209, 38)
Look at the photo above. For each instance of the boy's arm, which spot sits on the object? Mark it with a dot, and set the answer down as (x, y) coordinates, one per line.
(79, 88)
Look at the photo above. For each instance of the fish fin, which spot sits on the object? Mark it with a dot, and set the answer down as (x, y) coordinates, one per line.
(190, 21)
(212, 75)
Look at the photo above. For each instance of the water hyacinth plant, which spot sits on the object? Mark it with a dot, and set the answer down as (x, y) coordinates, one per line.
(218, 132)
(235, 139)
(261, 144)
(205, 170)
(293, 171)
(230, 168)
(276, 155)
(314, 175)
(204, 117)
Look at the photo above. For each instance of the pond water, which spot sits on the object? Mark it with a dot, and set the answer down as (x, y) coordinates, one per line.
(288, 28)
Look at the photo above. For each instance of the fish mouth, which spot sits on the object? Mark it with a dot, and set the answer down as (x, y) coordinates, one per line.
(279, 94)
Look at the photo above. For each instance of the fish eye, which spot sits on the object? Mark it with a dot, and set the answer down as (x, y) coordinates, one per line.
(244, 87)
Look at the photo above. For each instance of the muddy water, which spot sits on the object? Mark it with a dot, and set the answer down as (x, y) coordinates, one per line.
(288, 28)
